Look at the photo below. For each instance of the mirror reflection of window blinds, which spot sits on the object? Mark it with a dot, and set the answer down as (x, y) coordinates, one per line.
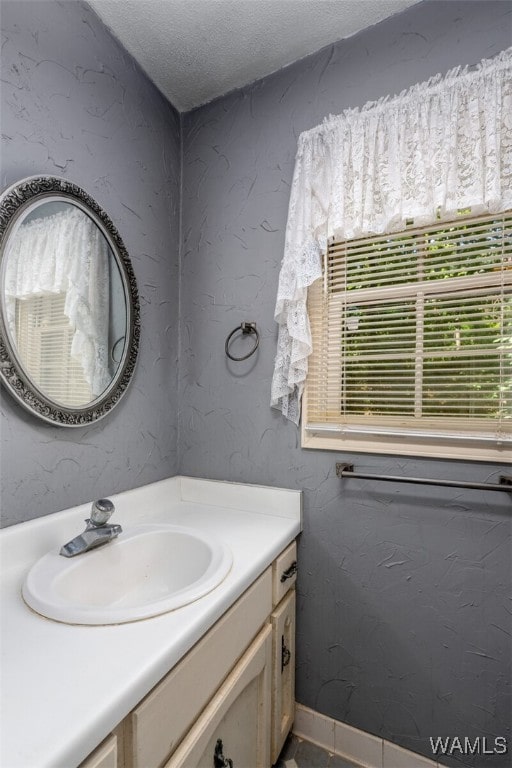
(44, 337)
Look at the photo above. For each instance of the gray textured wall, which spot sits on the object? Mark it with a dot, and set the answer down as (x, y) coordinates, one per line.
(74, 104)
(403, 626)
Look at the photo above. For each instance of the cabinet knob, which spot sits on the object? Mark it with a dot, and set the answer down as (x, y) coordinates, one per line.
(219, 761)
(289, 572)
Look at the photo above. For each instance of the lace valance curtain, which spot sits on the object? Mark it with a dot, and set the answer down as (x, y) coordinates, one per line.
(66, 253)
(442, 146)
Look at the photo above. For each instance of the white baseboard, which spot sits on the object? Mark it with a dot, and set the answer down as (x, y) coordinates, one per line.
(355, 745)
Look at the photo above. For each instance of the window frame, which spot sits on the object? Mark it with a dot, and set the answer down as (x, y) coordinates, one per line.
(382, 438)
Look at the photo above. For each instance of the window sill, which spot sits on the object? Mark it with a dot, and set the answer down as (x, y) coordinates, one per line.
(467, 449)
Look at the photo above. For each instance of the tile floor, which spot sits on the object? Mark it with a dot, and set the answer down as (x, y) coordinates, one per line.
(298, 753)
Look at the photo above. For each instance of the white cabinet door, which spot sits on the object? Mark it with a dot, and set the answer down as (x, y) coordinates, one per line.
(234, 729)
(283, 672)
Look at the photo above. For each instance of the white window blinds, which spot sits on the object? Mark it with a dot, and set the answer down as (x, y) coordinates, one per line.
(412, 334)
(44, 338)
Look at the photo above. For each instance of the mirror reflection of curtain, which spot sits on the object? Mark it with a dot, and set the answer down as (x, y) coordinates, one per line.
(66, 254)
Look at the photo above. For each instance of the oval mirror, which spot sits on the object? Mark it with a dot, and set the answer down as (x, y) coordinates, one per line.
(69, 319)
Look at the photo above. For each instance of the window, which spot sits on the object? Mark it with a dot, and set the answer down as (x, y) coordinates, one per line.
(412, 343)
(44, 337)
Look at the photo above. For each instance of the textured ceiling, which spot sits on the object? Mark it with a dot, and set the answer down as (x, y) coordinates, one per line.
(196, 50)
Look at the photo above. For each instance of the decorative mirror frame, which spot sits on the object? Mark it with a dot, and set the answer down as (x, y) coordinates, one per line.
(12, 203)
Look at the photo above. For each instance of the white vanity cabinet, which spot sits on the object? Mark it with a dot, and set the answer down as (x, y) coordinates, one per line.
(233, 730)
(190, 679)
(231, 698)
(159, 723)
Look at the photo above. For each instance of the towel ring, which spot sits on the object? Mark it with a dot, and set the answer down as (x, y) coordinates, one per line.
(246, 328)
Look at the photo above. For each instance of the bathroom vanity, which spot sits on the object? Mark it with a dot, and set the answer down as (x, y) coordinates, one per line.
(210, 682)
(209, 706)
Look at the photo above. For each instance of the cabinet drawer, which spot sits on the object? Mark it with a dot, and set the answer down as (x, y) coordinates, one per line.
(234, 728)
(159, 723)
(284, 573)
(104, 756)
(283, 672)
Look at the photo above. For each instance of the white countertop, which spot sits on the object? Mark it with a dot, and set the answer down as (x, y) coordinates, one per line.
(63, 687)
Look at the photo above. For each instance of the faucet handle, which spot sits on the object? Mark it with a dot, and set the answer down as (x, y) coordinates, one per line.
(101, 511)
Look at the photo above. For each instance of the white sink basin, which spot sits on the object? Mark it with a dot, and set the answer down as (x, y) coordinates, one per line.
(146, 571)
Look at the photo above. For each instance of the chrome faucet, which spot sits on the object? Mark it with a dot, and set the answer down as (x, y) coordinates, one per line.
(96, 533)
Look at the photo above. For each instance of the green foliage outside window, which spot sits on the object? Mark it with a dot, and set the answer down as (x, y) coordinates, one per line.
(427, 328)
